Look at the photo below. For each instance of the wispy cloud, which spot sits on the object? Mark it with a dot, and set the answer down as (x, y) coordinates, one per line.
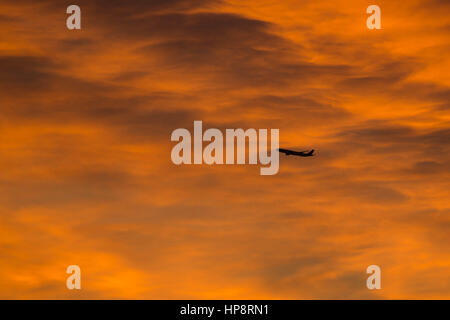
(86, 179)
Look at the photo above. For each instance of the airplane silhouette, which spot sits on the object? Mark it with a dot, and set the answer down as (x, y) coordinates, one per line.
(297, 153)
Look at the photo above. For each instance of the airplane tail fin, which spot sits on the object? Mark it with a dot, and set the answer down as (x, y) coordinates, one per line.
(311, 152)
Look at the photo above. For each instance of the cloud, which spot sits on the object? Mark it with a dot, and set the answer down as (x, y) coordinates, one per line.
(86, 118)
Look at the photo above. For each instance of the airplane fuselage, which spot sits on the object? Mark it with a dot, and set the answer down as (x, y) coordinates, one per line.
(296, 153)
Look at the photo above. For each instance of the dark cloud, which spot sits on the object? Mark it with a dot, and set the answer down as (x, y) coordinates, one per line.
(134, 7)
(87, 118)
(400, 137)
(22, 74)
(154, 115)
(82, 44)
(8, 19)
(374, 192)
(382, 79)
(137, 7)
(229, 48)
(291, 111)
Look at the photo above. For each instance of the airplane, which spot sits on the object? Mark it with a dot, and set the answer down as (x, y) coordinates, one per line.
(297, 153)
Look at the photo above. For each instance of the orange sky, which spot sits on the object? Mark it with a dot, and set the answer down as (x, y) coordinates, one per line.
(86, 176)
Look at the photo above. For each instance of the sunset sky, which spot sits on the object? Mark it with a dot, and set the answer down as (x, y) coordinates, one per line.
(87, 179)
